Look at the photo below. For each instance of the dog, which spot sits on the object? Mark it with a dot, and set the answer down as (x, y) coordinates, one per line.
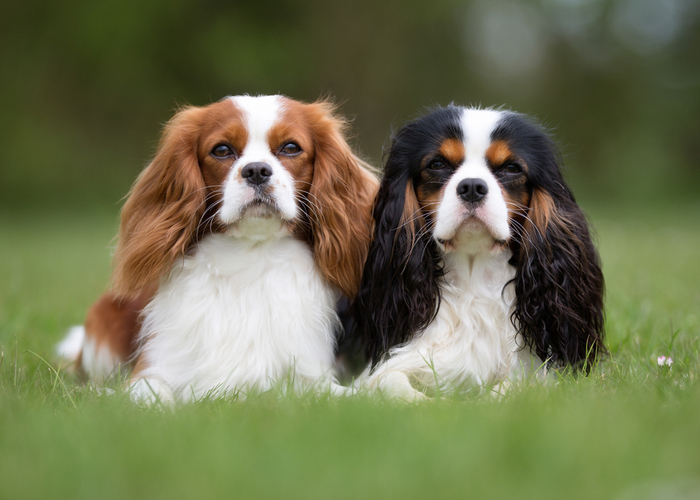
(482, 269)
(236, 242)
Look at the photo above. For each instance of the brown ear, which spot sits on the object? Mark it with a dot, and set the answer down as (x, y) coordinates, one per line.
(160, 217)
(343, 190)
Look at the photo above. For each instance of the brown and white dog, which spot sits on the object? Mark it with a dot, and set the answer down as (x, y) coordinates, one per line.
(235, 245)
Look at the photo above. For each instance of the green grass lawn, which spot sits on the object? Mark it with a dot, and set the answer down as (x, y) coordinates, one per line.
(630, 431)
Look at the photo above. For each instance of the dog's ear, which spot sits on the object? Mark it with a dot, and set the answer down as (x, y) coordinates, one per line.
(160, 217)
(341, 196)
(559, 283)
(400, 290)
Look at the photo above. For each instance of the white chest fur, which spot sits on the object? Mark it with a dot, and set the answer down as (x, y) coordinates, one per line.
(240, 315)
(472, 340)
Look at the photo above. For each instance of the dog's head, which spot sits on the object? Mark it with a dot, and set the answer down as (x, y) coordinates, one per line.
(251, 167)
(481, 181)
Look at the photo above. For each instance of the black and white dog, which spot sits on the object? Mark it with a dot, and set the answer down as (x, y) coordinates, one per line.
(482, 267)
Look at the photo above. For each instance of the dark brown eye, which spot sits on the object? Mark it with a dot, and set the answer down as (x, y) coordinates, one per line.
(222, 151)
(290, 149)
(436, 165)
(512, 168)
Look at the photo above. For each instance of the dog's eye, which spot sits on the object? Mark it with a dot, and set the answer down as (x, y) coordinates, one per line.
(222, 151)
(290, 149)
(436, 165)
(512, 168)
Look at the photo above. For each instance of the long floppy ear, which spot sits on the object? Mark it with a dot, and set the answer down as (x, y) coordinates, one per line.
(160, 217)
(559, 284)
(342, 193)
(400, 290)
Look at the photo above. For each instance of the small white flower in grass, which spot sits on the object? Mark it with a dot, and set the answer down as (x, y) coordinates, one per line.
(664, 361)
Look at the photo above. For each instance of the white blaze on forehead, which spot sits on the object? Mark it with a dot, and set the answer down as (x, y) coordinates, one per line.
(261, 113)
(477, 125)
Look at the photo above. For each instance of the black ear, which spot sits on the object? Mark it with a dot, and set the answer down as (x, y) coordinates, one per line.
(559, 284)
(399, 292)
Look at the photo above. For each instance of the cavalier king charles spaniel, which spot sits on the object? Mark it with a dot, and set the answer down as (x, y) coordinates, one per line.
(236, 243)
(482, 268)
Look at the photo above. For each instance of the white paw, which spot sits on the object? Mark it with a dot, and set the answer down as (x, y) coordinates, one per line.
(416, 397)
(151, 391)
(396, 385)
(340, 391)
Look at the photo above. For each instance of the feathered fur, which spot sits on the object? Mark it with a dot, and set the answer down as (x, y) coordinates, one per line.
(164, 208)
(434, 248)
(250, 223)
(559, 284)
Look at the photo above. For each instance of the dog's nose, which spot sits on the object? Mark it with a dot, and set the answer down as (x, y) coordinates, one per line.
(472, 190)
(257, 173)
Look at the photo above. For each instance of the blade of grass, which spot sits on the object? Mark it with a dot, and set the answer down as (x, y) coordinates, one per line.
(14, 381)
(51, 368)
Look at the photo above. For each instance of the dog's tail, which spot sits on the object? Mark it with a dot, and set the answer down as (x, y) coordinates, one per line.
(70, 348)
(106, 345)
(80, 351)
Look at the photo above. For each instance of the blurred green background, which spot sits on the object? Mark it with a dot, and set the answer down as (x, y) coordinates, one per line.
(86, 85)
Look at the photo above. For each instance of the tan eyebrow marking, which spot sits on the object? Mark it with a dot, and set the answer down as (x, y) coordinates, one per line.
(452, 150)
(498, 152)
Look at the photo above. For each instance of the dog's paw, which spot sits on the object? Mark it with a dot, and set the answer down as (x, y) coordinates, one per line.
(151, 391)
(395, 385)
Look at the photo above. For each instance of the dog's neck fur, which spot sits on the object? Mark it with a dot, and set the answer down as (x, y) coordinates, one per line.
(240, 314)
(472, 340)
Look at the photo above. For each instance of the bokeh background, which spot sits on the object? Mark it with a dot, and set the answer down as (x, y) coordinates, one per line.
(85, 85)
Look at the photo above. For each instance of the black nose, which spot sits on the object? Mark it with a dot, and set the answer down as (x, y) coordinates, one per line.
(257, 173)
(472, 190)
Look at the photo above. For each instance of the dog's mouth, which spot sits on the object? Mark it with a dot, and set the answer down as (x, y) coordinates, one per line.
(473, 231)
(261, 207)
(472, 223)
(260, 219)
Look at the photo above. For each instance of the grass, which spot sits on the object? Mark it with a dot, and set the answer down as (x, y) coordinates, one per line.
(630, 430)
